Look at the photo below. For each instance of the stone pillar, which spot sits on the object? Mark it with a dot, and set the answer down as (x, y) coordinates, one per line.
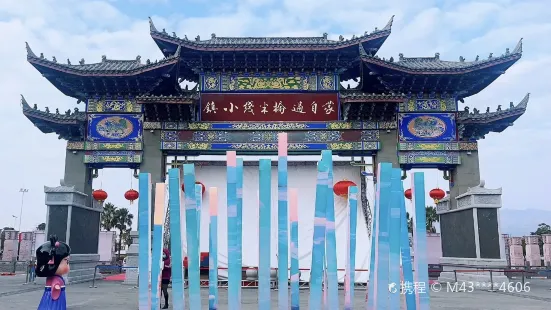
(515, 251)
(75, 219)
(471, 235)
(26, 246)
(464, 176)
(11, 242)
(533, 255)
(132, 260)
(77, 173)
(153, 161)
(546, 249)
(389, 148)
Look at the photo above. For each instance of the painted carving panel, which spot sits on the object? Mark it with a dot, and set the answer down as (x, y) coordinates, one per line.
(270, 147)
(428, 105)
(265, 136)
(268, 82)
(115, 127)
(429, 158)
(427, 127)
(106, 157)
(317, 107)
(113, 106)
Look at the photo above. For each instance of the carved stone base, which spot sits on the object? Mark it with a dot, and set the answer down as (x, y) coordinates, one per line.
(82, 267)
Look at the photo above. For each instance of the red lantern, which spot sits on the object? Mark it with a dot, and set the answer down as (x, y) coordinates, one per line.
(341, 188)
(131, 195)
(407, 193)
(99, 195)
(437, 194)
(196, 182)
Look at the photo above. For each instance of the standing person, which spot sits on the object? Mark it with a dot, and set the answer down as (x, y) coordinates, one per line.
(165, 275)
(32, 271)
(52, 262)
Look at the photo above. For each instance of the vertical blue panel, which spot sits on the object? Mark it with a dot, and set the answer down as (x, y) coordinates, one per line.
(382, 246)
(373, 254)
(318, 244)
(264, 234)
(407, 270)
(199, 206)
(239, 193)
(213, 250)
(174, 202)
(283, 235)
(394, 239)
(420, 239)
(191, 236)
(350, 280)
(144, 246)
(295, 273)
(332, 284)
(156, 260)
(233, 264)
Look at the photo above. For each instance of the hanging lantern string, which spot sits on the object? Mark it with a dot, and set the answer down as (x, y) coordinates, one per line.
(101, 180)
(131, 176)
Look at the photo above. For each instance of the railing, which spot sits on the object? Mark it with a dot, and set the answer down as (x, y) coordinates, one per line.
(494, 286)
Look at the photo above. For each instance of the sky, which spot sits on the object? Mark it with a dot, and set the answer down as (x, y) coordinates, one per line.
(516, 160)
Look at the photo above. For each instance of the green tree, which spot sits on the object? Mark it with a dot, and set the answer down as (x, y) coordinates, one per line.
(108, 216)
(41, 226)
(123, 223)
(543, 229)
(432, 218)
(410, 223)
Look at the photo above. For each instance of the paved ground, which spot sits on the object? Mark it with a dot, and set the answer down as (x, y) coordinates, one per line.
(113, 295)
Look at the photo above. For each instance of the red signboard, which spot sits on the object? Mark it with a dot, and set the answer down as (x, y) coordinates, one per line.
(306, 107)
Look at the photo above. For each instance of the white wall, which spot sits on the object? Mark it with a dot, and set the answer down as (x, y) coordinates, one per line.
(304, 179)
(106, 246)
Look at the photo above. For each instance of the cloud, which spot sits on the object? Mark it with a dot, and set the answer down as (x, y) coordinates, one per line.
(515, 159)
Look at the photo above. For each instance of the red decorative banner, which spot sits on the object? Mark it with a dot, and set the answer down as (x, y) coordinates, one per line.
(306, 107)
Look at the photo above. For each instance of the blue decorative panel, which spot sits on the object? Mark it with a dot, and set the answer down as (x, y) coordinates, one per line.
(427, 127)
(115, 127)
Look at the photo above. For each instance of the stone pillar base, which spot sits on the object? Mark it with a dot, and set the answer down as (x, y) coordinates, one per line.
(82, 268)
(131, 277)
(463, 267)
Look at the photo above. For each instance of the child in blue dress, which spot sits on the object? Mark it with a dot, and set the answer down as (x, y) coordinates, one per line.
(52, 262)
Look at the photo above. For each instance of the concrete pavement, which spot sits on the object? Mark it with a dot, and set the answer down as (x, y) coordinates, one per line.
(115, 296)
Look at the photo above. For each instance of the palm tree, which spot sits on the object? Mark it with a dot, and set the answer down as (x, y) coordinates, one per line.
(123, 222)
(430, 217)
(108, 216)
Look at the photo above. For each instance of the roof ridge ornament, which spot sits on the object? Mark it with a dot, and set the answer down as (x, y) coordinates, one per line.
(523, 104)
(518, 47)
(389, 24)
(24, 102)
(30, 52)
(152, 26)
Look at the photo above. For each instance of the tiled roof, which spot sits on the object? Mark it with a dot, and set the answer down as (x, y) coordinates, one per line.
(434, 65)
(475, 116)
(69, 117)
(104, 68)
(358, 96)
(183, 98)
(285, 43)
